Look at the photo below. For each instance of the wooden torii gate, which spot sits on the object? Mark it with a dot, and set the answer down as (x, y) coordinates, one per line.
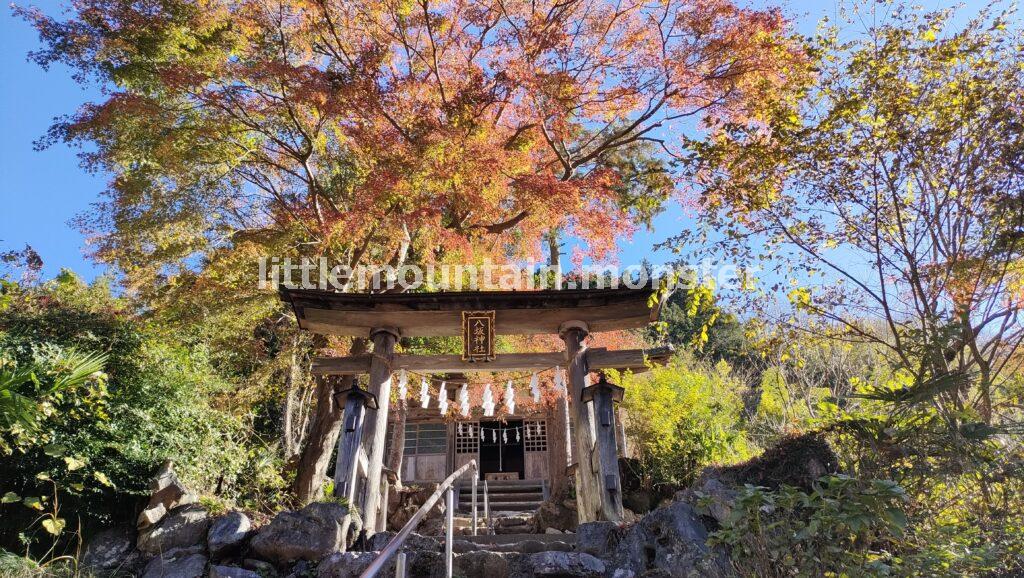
(384, 318)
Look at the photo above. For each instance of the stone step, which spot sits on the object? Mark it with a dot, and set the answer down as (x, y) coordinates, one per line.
(519, 507)
(503, 497)
(503, 490)
(490, 539)
(503, 484)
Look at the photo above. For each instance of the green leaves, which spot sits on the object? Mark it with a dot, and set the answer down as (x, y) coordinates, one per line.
(918, 392)
(24, 395)
(33, 502)
(832, 530)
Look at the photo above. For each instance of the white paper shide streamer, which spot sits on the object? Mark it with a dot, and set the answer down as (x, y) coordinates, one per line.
(464, 399)
(424, 393)
(403, 385)
(560, 381)
(442, 399)
(535, 387)
(488, 403)
(510, 398)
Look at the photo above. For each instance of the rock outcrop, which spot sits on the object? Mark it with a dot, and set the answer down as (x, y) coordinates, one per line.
(232, 572)
(566, 565)
(310, 534)
(672, 539)
(112, 551)
(166, 493)
(228, 534)
(184, 527)
(179, 563)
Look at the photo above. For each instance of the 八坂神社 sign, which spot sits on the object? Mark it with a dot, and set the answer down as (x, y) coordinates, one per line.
(478, 335)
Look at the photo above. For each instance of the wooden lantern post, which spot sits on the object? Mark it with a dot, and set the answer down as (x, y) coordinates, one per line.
(602, 397)
(346, 470)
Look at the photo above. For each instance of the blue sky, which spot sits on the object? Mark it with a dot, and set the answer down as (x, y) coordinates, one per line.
(41, 191)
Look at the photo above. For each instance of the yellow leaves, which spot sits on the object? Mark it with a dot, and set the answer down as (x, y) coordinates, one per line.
(800, 298)
(73, 463)
(33, 502)
(54, 525)
(102, 478)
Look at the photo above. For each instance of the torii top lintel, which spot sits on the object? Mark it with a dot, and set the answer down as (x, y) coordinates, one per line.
(440, 314)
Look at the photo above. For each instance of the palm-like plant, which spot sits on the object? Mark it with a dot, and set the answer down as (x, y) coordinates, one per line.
(22, 391)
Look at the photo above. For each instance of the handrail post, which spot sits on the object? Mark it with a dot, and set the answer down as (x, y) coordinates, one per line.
(473, 483)
(487, 508)
(394, 546)
(449, 530)
(400, 565)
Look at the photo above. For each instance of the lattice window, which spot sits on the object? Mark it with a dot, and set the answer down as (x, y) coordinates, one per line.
(467, 437)
(426, 438)
(535, 435)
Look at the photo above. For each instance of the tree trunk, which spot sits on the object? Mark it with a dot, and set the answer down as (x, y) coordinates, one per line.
(315, 456)
(558, 446)
(291, 436)
(554, 260)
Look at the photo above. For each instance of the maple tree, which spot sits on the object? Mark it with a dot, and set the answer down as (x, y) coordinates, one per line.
(390, 132)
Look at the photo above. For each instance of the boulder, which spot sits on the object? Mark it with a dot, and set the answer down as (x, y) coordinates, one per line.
(311, 533)
(531, 547)
(302, 569)
(566, 565)
(179, 563)
(227, 534)
(672, 539)
(348, 565)
(709, 497)
(166, 493)
(425, 563)
(555, 513)
(483, 563)
(182, 528)
(232, 572)
(598, 538)
(414, 543)
(265, 569)
(462, 546)
(112, 549)
(404, 501)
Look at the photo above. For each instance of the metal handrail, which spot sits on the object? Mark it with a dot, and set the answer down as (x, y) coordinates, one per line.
(396, 543)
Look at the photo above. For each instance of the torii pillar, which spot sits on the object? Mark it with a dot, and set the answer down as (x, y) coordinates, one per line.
(375, 423)
(598, 494)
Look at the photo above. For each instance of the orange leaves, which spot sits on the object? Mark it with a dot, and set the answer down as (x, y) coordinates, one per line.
(476, 125)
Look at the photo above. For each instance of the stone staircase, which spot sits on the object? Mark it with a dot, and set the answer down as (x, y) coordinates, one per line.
(506, 496)
(482, 556)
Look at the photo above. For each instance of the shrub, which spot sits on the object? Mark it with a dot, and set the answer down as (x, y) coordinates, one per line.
(842, 527)
(681, 418)
(98, 445)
